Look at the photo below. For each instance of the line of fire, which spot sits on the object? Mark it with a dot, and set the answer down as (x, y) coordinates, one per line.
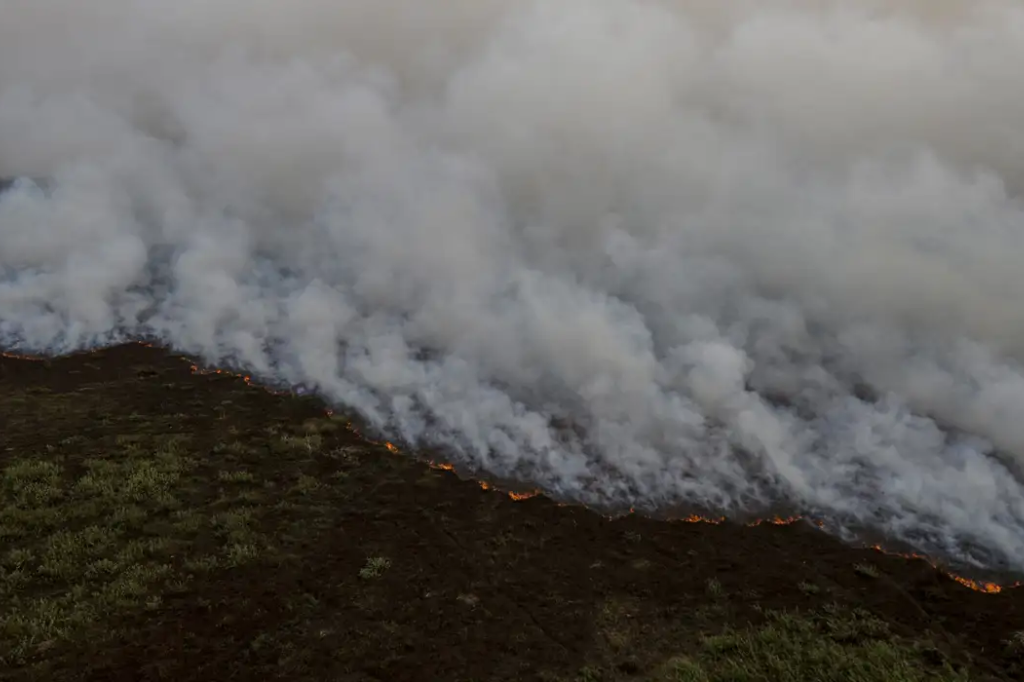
(518, 496)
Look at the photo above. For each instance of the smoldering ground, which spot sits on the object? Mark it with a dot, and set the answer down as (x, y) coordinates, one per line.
(725, 253)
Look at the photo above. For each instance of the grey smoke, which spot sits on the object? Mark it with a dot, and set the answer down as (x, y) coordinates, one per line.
(730, 253)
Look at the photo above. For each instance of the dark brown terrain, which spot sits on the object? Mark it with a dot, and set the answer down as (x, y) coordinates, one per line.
(157, 523)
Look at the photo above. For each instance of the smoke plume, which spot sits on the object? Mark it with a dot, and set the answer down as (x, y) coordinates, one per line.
(728, 253)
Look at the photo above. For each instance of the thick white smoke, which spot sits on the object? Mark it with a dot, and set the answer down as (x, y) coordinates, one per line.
(722, 252)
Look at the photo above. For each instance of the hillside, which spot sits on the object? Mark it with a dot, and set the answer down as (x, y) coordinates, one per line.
(158, 523)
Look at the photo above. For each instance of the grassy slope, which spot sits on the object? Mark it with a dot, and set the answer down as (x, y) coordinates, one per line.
(155, 523)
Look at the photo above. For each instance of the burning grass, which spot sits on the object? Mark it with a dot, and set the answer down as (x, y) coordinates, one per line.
(158, 523)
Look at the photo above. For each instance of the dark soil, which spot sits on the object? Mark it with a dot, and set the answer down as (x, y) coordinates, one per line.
(165, 524)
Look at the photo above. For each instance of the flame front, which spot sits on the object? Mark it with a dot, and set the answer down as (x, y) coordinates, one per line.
(976, 585)
(779, 521)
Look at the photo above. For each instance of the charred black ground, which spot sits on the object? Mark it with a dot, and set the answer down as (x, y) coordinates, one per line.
(161, 524)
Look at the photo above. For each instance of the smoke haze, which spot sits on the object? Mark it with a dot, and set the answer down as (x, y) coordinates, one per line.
(727, 253)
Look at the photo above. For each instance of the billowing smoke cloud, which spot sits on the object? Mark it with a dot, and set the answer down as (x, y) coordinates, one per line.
(731, 253)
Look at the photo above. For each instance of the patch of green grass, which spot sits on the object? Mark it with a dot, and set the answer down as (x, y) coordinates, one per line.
(831, 647)
(235, 476)
(809, 588)
(235, 525)
(866, 570)
(201, 564)
(188, 522)
(239, 553)
(288, 443)
(85, 545)
(375, 567)
(306, 485)
(31, 484)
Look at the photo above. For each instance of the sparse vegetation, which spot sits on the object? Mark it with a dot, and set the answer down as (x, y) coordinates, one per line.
(855, 647)
(809, 588)
(309, 443)
(1015, 643)
(374, 568)
(235, 476)
(866, 570)
(77, 547)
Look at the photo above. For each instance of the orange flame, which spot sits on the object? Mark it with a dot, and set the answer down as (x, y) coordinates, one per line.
(443, 466)
(777, 521)
(19, 356)
(696, 518)
(976, 585)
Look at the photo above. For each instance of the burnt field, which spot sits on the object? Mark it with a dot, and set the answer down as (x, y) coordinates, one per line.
(158, 523)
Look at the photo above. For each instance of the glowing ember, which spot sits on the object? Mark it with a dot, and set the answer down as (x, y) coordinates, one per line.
(19, 356)
(696, 518)
(977, 586)
(196, 369)
(443, 466)
(777, 521)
